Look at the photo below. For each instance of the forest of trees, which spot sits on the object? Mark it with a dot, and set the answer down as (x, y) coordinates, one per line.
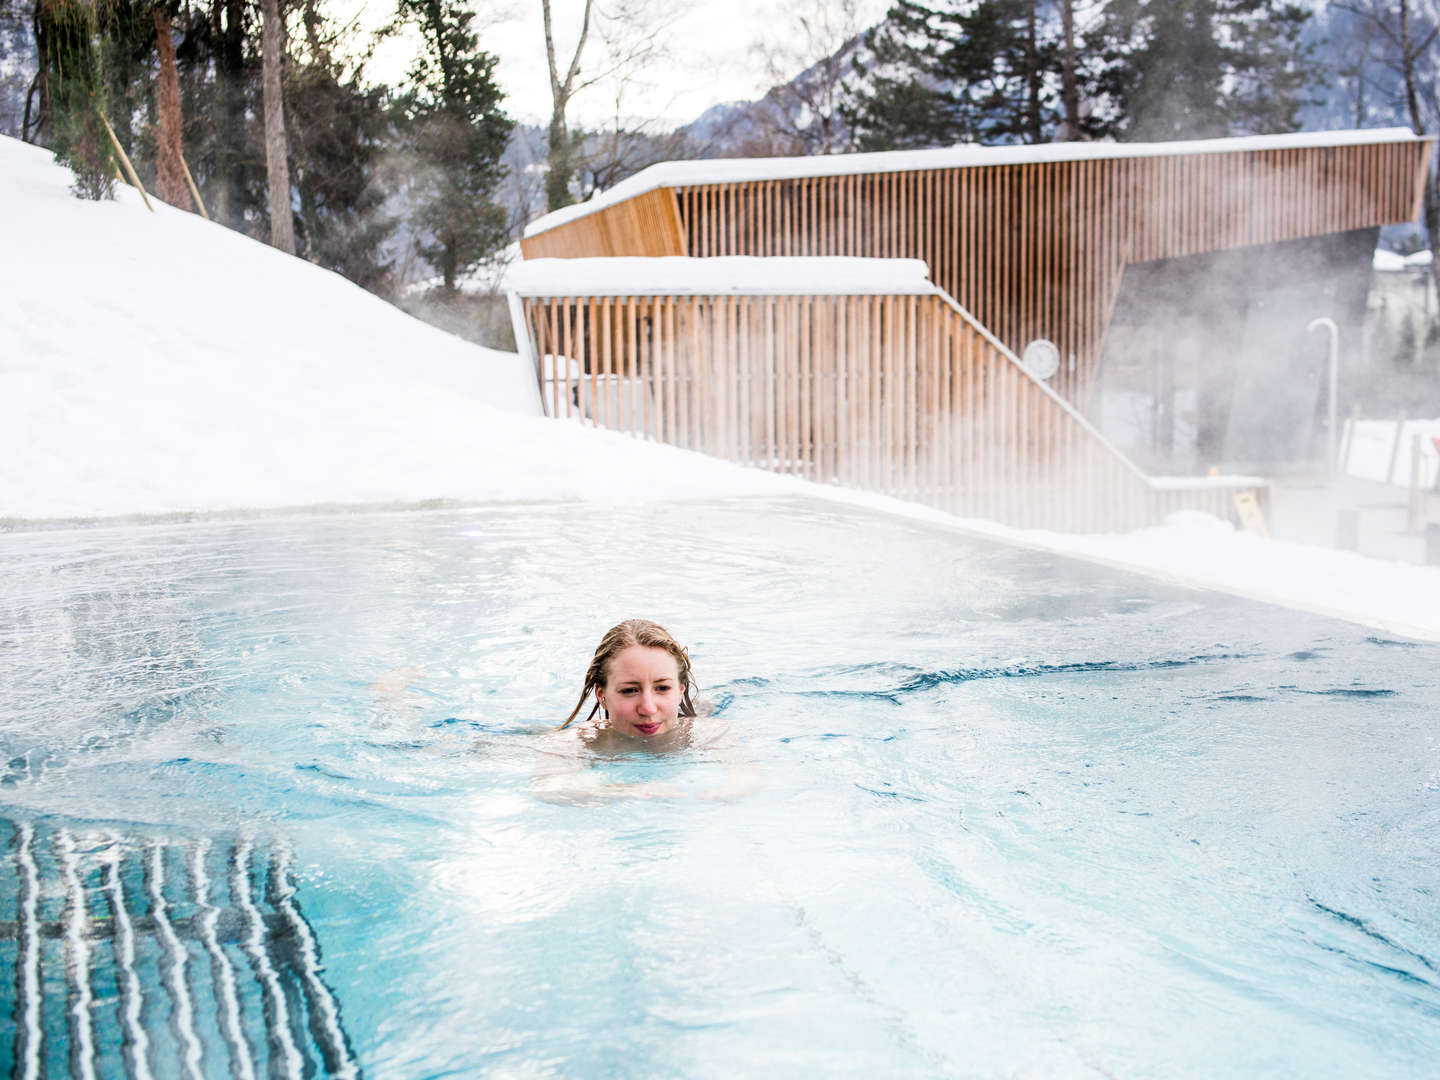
(235, 104)
(184, 91)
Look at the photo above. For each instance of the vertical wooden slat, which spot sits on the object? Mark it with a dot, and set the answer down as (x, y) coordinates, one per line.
(716, 442)
(555, 350)
(806, 380)
(825, 365)
(796, 382)
(702, 313)
(744, 400)
(783, 344)
(682, 314)
(912, 398)
(932, 438)
(844, 398)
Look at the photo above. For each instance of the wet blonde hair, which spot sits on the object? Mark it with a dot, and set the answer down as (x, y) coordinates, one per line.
(616, 640)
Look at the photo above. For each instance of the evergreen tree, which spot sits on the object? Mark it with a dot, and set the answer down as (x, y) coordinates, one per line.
(340, 132)
(1004, 64)
(902, 102)
(984, 71)
(457, 132)
(1001, 71)
(1182, 69)
(72, 94)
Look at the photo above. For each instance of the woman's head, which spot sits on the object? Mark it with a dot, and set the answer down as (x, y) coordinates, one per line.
(640, 678)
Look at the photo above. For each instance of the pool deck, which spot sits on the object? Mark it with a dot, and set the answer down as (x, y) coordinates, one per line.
(1307, 510)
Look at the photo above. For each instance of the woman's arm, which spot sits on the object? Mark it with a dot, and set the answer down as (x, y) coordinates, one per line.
(743, 774)
(563, 776)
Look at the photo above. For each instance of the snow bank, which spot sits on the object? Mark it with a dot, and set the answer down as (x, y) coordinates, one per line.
(154, 363)
(735, 170)
(1198, 550)
(678, 275)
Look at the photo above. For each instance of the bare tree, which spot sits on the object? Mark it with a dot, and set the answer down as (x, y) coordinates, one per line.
(277, 166)
(631, 36)
(562, 89)
(806, 60)
(1404, 33)
(632, 39)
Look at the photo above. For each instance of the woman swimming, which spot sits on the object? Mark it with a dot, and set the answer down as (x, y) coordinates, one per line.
(643, 696)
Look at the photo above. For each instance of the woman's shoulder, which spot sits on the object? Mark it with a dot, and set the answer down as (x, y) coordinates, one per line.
(707, 730)
(564, 742)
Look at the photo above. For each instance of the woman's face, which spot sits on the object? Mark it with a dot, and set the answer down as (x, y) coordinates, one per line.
(642, 692)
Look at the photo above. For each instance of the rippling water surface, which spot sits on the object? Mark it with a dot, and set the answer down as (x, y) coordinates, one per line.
(1021, 816)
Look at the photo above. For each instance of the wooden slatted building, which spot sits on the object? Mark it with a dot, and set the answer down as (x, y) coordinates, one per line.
(919, 391)
(1031, 240)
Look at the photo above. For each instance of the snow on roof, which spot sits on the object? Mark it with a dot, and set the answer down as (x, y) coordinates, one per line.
(733, 170)
(678, 275)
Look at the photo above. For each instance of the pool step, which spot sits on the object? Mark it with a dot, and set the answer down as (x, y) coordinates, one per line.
(146, 957)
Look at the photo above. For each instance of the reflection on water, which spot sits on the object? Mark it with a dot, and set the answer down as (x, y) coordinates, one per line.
(1019, 814)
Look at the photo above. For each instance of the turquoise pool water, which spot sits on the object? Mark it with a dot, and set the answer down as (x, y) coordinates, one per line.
(1021, 816)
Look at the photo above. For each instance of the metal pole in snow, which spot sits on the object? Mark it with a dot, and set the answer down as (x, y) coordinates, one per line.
(1416, 521)
(1329, 324)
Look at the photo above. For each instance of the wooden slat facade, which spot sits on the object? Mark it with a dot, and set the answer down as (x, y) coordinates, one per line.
(647, 225)
(901, 394)
(1033, 249)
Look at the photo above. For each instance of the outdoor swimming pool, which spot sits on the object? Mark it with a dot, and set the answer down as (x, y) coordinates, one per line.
(1022, 816)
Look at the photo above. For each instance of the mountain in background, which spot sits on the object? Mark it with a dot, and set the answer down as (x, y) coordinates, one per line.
(800, 117)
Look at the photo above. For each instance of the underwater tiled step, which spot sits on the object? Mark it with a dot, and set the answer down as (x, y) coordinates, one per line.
(151, 957)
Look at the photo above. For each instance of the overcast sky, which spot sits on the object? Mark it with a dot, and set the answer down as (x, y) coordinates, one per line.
(709, 53)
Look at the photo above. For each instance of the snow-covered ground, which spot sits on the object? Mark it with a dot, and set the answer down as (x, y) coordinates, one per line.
(154, 363)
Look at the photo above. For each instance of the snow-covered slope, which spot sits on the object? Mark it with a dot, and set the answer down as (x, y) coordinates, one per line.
(153, 362)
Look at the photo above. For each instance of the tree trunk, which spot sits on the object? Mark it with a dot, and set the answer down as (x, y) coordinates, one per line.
(169, 165)
(1410, 54)
(1069, 88)
(1034, 77)
(277, 167)
(37, 100)
(559, 169)
(229, 28)
(560, 164)
(1408, 58)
